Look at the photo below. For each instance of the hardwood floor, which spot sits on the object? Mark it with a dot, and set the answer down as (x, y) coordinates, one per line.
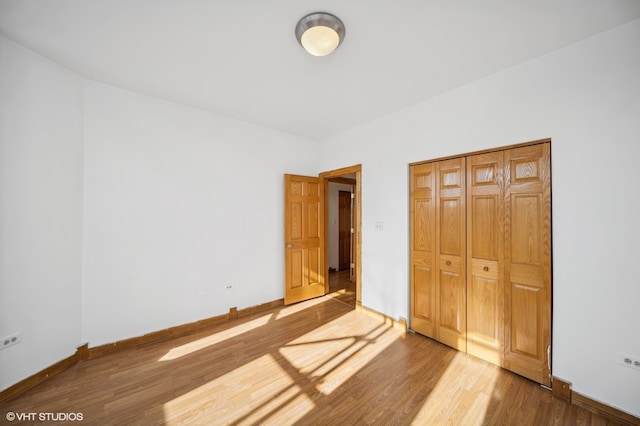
(316, 362)
(341, 288)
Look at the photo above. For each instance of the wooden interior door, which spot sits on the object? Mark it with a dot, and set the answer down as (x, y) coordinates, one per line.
(344, 230)
(485, 256)
(304, 238)
(528, 261)
(450, 266)
(423, 248)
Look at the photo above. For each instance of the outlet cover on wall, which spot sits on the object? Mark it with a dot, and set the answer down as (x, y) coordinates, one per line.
(10, 340)
(629, 361)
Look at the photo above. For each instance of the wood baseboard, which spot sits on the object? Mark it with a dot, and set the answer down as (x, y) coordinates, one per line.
(400, 324)
(259, 308)
(180, 330)
(84, 352)
(42, 376)
(561, 389)
(604, 410)
(155, 336)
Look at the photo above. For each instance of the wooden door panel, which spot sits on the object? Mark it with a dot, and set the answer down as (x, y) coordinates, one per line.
(304, 245)
(313, 266)
(422, 223)
(486, 232)
(526, 275)
(485, 289)
(451, 226)
(452, 310)
(484, 295)
(422, 306)
(297, 266)
(528, 261)
(484, 319)
(296, 220)
(526, 166)
(526, 229)
(422, 237)
(312, 219)
(451, 174)
(485, 170)
(452, 295)
(525, 320)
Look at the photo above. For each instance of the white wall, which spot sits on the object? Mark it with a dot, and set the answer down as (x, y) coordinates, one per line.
(587, 99)
(40, 211)
(334, 221)
(179, 203)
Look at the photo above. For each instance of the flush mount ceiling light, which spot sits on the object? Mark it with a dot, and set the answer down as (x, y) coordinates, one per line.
(320, 33)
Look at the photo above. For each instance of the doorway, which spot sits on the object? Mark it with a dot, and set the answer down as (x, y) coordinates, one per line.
(342, 233)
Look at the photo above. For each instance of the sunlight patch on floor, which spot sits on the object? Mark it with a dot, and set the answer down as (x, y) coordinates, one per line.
(444, 401)
(299, 307)
(329, 357)
(215, 338)
(253, 393)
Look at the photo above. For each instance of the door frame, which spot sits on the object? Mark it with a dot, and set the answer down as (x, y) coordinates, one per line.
(357, 225)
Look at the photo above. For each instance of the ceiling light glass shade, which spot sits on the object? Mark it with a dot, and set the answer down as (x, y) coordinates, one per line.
(320, 33)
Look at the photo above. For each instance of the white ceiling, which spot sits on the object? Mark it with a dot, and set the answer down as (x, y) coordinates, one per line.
(240, 58)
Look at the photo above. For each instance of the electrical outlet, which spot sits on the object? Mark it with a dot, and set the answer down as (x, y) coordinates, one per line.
(629, 361)
(12, 339)
(229, 286)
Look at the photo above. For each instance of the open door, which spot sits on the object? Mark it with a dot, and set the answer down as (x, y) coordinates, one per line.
(304, 238)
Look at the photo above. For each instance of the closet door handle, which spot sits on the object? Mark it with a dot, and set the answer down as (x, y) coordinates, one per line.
(486, 269)
(448, 262)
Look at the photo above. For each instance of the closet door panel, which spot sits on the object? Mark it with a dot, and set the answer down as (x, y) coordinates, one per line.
(452, 312)
(451, 297)
(528, 261)
(526, 228)
(526, 320)
(485, 240)
(451, 226)
(422, 223)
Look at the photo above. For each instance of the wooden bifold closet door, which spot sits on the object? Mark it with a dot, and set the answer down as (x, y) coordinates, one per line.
(485, 256)
(438, 302)
(481, 256)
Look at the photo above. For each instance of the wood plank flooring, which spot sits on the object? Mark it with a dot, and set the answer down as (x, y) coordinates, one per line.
(341, 288)
(317, 362)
